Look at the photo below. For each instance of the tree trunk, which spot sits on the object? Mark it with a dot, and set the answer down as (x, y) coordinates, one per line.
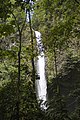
(32, 57)
(19, 75)
(55, 62)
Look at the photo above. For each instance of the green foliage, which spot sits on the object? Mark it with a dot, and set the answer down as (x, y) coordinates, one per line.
(59, 23)
(69, 84)
(57, 109)
(28, 105)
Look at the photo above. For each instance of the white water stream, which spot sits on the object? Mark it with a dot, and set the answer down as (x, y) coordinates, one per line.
(41, 83)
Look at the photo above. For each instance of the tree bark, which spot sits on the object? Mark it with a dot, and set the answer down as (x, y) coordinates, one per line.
(32, 56)
(55, 62)
(19, 75)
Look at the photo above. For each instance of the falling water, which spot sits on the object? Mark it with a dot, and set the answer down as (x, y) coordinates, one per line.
(41, 84)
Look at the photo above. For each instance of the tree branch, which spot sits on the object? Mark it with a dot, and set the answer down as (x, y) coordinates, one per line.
(77, 1)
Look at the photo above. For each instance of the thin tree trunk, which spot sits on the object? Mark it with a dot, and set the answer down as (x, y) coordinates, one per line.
(19, 75)
(32, 57)
(55, 61)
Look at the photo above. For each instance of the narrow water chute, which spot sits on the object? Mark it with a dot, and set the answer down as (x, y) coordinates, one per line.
(41, 83)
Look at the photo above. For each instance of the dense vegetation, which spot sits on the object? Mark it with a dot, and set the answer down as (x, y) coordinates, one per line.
(59, 23)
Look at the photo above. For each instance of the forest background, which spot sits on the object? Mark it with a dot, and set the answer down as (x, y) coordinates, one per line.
(59, 23)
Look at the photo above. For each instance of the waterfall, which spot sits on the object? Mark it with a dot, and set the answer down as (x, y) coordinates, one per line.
(41, 83)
